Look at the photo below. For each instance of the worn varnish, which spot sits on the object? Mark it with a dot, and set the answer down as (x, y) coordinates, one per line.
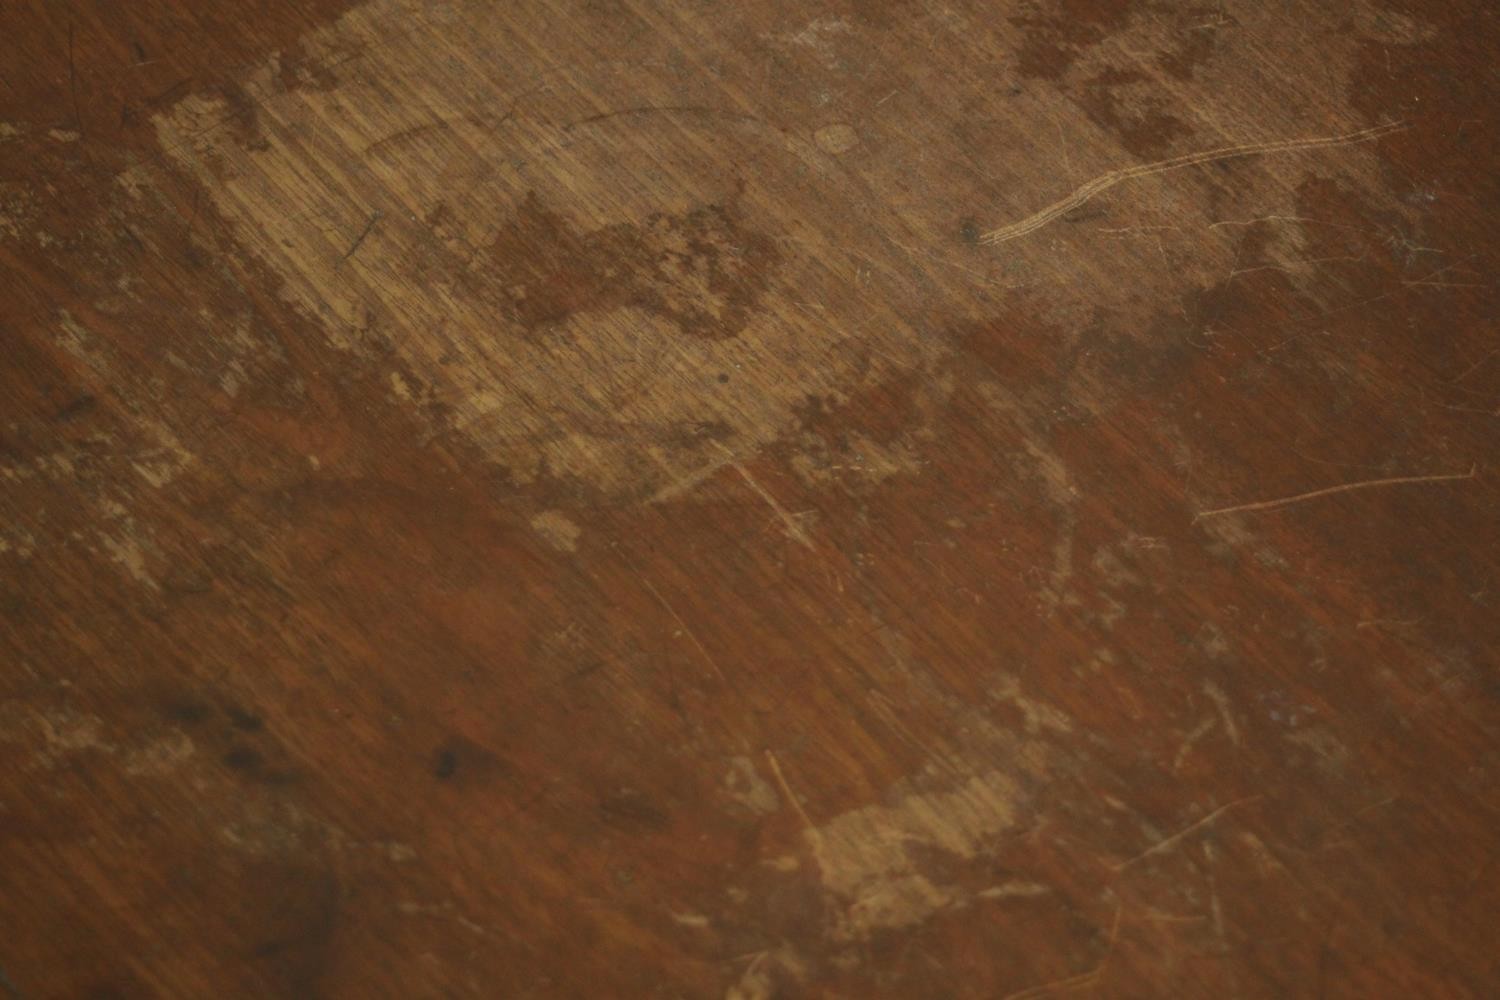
(875, 498)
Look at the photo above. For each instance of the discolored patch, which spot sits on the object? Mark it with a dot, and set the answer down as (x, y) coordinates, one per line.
(837, 139)
(700, 270)
(1122, 102)
(871, 859)
(564, 267)
(556, 530)
(1055, 34)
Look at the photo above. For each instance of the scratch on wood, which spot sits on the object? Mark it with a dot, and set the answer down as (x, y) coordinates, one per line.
(1190, 742)
(786, 790)
(1221, 701)
(1104, 182)
(411, 132)
(1475, 366)
(703, 650)
(1083, 979)
(793, 529)
(1167, 843)
(1216, 905)
(679, 109)
(1384, 623)
(1330, 490)
(359, 240)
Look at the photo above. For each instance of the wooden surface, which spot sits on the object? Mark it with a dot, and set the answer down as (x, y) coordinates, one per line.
(876, 498)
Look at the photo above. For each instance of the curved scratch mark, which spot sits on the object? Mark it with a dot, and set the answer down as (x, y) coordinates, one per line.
(660, 109)
(1104, 182)
(1330, 490)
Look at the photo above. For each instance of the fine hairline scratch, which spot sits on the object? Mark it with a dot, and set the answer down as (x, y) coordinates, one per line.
(1331, 490)
(1103, 182)
(359, 240)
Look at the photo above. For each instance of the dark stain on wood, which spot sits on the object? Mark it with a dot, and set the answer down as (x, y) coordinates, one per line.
(703, 270)
(1144, 129)
(1055, 34)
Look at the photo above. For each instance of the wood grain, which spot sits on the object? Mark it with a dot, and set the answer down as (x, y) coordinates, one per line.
(550, 499)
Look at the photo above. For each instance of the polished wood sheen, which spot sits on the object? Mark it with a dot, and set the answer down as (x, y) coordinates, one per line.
(688, 498)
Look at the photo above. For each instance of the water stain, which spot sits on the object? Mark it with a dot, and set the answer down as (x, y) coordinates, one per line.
(293, 944)
(1195, 49)
(1122, 102)
(299, 69)
(703, 270)
(630, 809)
(459, 760)
(1054, 35)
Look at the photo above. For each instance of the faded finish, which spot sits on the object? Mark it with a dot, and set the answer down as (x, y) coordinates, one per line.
(686, 499)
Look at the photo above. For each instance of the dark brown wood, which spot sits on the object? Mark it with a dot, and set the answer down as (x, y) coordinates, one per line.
(881, 498)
